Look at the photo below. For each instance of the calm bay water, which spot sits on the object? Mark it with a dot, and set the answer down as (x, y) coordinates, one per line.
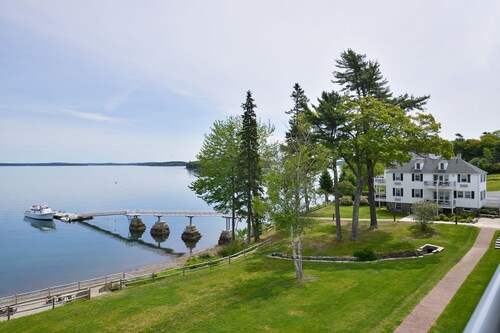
(36, 255)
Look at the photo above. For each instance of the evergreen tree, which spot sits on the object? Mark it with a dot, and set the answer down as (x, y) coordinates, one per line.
(249, 168)
(297, 131)
(326, 184)
(329, 128)
(362, 78)
(300, 102)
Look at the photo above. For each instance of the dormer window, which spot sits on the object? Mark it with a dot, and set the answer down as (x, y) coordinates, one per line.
(443, 166)
(418, 166)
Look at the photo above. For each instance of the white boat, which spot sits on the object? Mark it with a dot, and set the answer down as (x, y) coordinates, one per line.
(40, 212)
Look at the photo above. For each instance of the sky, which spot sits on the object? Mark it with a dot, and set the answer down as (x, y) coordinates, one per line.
(132, 81)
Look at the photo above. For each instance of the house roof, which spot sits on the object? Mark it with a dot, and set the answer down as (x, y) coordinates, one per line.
(431, 165)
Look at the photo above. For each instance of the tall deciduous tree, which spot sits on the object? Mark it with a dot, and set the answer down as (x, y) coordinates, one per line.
(249, 165)
(217, 176)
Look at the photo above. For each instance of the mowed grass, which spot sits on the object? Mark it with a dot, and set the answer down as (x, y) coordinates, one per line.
(458, 312)
(346, 212)
(260, 294)
(493, 183)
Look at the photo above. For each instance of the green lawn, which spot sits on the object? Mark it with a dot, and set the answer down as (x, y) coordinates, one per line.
(260, 294)
(346, 212)
(493, 183)
(456, 315)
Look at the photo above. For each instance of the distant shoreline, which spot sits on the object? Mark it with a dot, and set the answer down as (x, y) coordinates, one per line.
(159, 164)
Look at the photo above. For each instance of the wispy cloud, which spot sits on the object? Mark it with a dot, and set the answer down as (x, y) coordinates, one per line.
(56, 110)
(116, 101)
(91, 116)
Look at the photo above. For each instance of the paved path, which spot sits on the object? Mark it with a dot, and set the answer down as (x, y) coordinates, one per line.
(430, 308)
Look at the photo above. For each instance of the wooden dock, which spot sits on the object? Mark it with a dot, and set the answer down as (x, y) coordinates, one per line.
(91, 215)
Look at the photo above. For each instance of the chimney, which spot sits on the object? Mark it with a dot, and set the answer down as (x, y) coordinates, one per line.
(459, 156)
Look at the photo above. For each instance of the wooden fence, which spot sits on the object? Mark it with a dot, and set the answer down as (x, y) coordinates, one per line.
(35, 301)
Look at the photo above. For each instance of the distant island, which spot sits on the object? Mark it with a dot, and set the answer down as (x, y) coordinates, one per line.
(153, 164)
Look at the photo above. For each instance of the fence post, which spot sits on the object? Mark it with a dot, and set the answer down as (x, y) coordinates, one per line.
(152, 276)
(120, 284)
(15, 297)
(210, 264)
(79, 285)
(53, 302)
(49, 291)
(8, 312)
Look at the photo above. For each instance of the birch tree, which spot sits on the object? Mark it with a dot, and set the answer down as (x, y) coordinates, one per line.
(297, 163)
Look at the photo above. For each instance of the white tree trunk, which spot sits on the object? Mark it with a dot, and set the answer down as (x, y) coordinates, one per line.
(298, 272)
(294, 252)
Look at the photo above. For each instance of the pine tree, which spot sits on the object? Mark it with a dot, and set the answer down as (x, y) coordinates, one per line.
(249, 168)
(326, 184)
(300, 102)
(362, 78)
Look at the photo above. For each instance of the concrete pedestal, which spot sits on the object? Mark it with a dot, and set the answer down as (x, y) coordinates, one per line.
(225, 237)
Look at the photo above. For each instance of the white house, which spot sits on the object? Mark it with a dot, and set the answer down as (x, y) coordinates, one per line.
(455, 185)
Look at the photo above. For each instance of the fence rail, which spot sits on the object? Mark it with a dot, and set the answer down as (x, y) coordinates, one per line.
(48, 298)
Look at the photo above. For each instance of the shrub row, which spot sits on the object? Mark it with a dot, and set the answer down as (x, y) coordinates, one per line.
(347, 201)
(459, 217)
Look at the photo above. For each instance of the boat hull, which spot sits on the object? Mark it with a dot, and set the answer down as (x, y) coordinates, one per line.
(46, 216)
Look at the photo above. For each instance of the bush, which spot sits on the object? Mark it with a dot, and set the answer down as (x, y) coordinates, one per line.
(366, 255)
(363, 200)
(346, 188)
(489, 211)
(198, 259)
(346, 201)
(231, 248)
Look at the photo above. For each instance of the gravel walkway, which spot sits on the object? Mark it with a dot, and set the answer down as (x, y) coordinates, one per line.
(430, 308)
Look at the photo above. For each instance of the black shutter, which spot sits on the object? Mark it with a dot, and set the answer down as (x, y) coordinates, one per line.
(458, 180)
(413, 193)
(468, 178)
(472, 195)
(435, 195)
(412, 177)
(401, 191)
(393, 192)
(401, 177)
(421, 193)
(455, 194)
(393, 176)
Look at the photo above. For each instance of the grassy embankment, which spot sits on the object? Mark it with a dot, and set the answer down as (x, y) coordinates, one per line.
(493, 183)
(258, 293)
(346, 212)
(456, 315)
